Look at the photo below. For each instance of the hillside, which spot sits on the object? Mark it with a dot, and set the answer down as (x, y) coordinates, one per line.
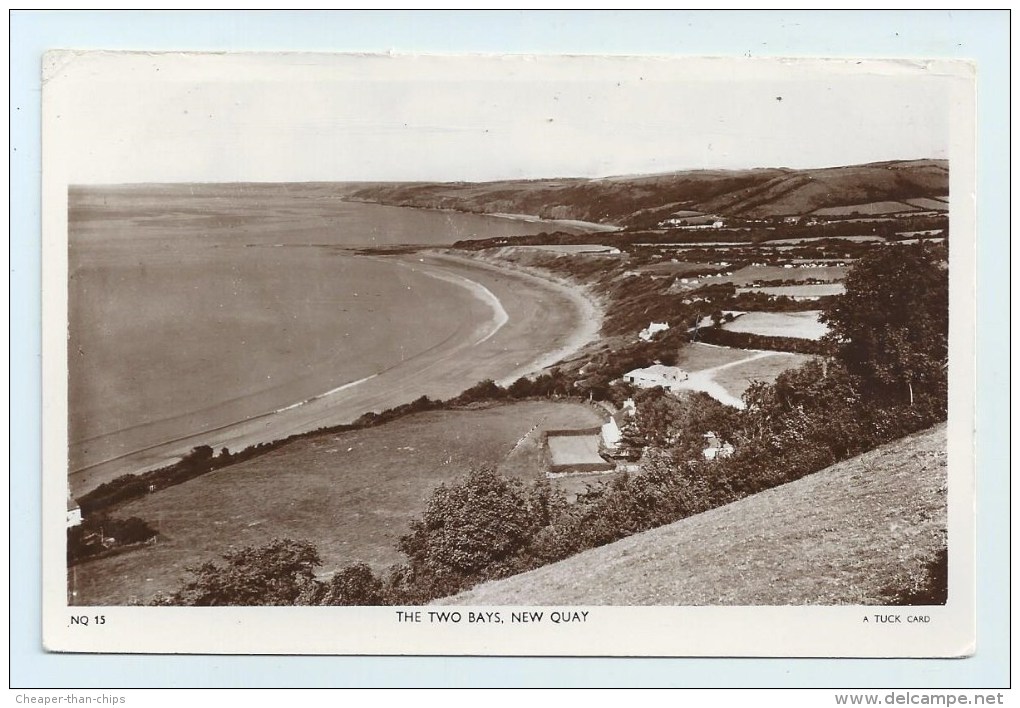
(863, 531)
(646, 199)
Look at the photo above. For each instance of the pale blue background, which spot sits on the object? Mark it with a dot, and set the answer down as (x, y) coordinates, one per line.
(982, 36)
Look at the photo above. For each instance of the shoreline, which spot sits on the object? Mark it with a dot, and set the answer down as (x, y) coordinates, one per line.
(589, 226)
(490, 348)
(480, 293)
(584, 226)
(590, 305)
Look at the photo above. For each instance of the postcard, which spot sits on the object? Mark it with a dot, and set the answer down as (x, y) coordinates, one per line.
(508, 355)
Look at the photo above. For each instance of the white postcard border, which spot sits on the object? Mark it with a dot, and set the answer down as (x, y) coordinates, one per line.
(609, 631)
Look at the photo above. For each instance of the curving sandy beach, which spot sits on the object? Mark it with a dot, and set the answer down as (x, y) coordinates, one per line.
(519, 324)
(559, 223)
(588, 310)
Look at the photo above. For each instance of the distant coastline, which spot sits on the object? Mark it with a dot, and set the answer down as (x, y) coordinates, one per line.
(570, 223)
(573, 224)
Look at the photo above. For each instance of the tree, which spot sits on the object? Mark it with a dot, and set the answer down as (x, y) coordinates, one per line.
(198, 457)
(658, 415)
(475, 529)
(354, 585)
(679, 422)
(891, 327)
(521, 388)
(483, 391)
(631, 438)
(275, 573)
(129, 530)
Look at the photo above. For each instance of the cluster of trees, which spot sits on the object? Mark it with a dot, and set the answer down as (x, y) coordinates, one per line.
(199, 461)
(419, 405)
(747, 340)
(100, 534)
(549, 385)
(891, 327)
(765, 302)
(277, 573)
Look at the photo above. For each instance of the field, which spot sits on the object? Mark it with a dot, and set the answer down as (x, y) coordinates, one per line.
(351, 494)
(579, 248)
(859, 532)
(868, 208)
(801, 325)
(737, 378)
(808, 239)
(926, 203)
(697, 356)
(812, 290)
(679, 268)
(752, 274)
(724, 373)
(918, 240)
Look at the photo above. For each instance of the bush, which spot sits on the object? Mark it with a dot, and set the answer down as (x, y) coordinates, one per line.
(472, 531)
(746, 340)
(483, 391)
(891, 326)
(276, 573)
(355, 585)
(92, 537)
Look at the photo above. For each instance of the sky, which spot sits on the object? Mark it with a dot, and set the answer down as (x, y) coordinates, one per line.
(143, 117)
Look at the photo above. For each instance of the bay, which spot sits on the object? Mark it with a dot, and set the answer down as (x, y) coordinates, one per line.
(194, 307)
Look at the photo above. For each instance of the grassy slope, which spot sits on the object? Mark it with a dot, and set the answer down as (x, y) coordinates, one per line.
(750, 274)
(802, 325)
(804, 191)
(737, 379)
(351, 494)
(649, 198)
(610, 200)
(697, 356)
(854, 533)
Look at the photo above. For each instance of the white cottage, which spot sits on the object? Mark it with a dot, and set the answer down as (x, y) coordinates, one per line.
(668, 377)
(652, 329)
(714, 447)
(73, 513)
(611, 435)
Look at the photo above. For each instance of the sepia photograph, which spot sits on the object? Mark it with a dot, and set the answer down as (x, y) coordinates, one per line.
(502, 353)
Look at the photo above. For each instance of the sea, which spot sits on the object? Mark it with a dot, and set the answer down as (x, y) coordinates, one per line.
(194, 306)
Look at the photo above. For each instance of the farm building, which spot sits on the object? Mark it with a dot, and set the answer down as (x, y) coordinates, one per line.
(73, 513)
(611, 434)
(714, 447)
(668, 377)
(652, 329)
(692, 220)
